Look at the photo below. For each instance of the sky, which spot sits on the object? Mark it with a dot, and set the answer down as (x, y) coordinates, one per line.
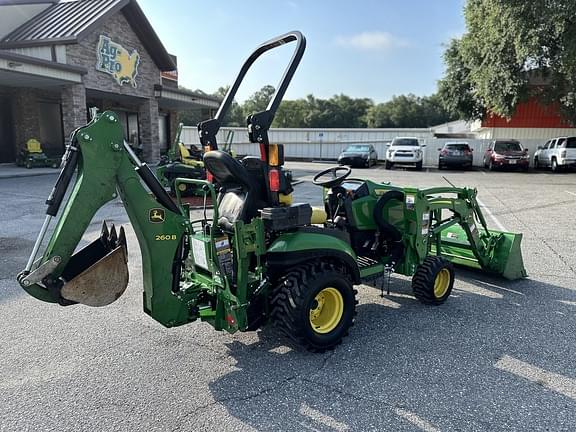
(361, 48)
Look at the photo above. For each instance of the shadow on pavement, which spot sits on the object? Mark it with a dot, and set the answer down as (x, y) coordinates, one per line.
(408, 366)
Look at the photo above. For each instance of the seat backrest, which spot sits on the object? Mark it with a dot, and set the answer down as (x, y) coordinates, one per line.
(237, 197)
(184, 153)
(33, 146)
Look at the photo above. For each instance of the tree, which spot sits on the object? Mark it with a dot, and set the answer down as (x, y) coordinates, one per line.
(258, 101)
(407, 111)
(507, 45)
(291, 113)
(235, 115)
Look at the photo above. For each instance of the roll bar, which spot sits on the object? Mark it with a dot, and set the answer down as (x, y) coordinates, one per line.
(258, 123)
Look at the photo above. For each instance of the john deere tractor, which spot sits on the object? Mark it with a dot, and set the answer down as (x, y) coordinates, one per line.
(179, 162)
(257, 258)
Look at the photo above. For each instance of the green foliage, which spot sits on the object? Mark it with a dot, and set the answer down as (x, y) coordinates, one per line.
(258, 101)
(512, 50)
(340, 111)
(408, 111)
(235, 115)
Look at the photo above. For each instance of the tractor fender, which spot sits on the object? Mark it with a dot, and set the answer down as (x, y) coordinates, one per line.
(311, 244)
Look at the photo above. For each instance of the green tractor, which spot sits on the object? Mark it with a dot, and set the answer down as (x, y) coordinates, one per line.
(256, 258)
(179, 162)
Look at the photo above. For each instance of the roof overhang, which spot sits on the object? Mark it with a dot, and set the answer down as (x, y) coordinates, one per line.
(17, 70)
(65, 24)
(172, 98)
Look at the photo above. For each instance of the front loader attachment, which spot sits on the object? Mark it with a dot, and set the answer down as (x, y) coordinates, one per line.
(498, 252)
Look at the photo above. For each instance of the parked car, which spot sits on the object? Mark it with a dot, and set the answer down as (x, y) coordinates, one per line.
(455, 154)
(506, 154)
(557, 153)
(363, 155)
(405, 151)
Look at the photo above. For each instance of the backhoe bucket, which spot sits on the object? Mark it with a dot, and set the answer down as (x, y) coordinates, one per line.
(501, 252)
(98, 274)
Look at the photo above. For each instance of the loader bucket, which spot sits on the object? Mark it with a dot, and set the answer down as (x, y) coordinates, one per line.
(97, 275)
(501, 253)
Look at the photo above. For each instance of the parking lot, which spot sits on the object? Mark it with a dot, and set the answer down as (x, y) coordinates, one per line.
(498, 355)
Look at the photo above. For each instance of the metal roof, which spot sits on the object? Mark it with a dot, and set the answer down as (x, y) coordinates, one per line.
(69, 21)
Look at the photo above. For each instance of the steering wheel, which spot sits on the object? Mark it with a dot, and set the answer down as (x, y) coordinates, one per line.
(334, 179)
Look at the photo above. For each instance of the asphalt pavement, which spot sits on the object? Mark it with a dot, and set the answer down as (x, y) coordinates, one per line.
(498, 355)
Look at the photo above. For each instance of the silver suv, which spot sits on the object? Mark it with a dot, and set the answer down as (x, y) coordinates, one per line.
(405, 151)
(557, 153)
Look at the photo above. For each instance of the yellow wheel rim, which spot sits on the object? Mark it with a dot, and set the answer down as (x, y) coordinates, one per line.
(182, 187)
(327, 310)
(441, 283)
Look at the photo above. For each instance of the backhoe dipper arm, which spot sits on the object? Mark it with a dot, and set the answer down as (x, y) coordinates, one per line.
(97, 274)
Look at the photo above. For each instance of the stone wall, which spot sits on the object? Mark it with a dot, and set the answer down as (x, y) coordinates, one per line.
(26, 114)
(73, 99)
(140, 98)
(84, 54)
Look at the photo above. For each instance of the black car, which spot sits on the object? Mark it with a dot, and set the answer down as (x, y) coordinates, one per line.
(363, 155)
(455, 154)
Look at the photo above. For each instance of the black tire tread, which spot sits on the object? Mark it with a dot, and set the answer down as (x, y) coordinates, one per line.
(423, 280)
(288, 298)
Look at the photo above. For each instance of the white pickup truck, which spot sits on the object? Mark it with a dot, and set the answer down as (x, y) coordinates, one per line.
(557, 153)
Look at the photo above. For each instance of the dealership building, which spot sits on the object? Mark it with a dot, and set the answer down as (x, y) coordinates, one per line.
(60, 58)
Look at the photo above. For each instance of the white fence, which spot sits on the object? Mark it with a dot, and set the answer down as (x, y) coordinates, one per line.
(326, 144)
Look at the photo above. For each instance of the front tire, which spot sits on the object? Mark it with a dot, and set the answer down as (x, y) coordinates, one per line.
(314, 305)
(419, 166)
(433, 281)
(388, 165)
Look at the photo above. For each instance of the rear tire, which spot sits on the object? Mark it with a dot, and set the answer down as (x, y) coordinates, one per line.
(433, 281)
(554, 166)
(314, 305)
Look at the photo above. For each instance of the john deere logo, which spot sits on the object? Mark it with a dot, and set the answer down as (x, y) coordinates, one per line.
(115, 60)
(156, 215)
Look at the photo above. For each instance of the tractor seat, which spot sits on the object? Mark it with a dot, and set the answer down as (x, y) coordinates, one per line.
(33, 146)
(238, 197)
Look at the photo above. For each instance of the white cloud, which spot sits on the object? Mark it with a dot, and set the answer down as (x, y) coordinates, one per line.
(371, 41)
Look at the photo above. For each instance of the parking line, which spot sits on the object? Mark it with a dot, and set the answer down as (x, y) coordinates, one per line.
(416, 421)
(496, 221)
(553, 381)
(571, 193)
(322, 418)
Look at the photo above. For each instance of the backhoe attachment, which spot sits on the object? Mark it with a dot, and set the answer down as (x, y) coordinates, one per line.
(98, 274)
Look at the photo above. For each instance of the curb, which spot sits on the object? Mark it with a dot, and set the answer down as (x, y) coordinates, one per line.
(11, 176)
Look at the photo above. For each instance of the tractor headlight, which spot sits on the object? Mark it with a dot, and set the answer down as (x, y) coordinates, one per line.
(365, 156)
(563, 154)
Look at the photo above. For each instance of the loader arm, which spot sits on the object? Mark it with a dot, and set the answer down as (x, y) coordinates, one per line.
(459, 239)
(97, 274)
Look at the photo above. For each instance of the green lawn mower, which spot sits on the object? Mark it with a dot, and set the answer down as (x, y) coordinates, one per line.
(255, 258)
(34, 157)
